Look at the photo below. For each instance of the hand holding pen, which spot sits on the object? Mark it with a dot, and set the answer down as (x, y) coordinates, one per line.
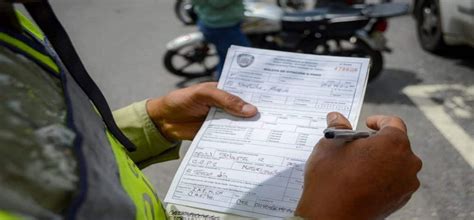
(368, 179)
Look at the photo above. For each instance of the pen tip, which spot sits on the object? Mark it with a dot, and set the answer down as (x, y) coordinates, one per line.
(329, 135)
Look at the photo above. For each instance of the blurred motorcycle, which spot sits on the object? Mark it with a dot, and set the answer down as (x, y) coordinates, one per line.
(337, 30)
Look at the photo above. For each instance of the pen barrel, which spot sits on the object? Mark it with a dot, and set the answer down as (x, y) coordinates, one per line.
(345, 134)
(352, 136)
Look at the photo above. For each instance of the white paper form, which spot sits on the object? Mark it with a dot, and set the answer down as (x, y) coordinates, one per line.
(254, 166)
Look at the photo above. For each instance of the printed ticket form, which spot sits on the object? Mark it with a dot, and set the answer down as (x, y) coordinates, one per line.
(254, 167)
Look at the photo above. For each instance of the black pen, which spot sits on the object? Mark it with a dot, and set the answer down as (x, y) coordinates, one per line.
(333, 133)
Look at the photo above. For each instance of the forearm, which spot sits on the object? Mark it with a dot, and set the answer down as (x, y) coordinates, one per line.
(135, 123)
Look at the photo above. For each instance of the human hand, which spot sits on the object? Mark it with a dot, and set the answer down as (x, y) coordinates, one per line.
(367, 178)
(180, 114)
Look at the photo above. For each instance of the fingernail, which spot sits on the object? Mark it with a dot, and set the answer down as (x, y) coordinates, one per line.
(247, 109)
(332, 117)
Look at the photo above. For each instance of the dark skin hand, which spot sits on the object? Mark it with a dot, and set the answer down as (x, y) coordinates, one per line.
(368, 178)
(180, 114)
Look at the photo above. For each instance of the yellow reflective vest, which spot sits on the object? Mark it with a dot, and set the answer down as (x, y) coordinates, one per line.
(111, 186)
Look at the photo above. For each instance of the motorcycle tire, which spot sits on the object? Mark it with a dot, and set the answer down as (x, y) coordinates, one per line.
(182, 14)
(376, 59)
(196, 57)
(362, 49)
(295, 5)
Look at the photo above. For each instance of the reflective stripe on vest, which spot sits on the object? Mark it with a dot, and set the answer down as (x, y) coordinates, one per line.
(111, 185)
(29, 26)
(4, 215)
(136, 184)
(41, 58)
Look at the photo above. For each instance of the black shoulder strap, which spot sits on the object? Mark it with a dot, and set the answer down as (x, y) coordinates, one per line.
(8, 17)
(44, 16)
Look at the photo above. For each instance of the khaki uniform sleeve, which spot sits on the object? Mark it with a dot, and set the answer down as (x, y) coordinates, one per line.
(152, 147)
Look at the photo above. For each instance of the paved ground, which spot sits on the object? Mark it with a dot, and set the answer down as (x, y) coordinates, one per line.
(122, 43)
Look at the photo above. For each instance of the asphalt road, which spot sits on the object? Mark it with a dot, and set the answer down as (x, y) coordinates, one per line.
(122, 43)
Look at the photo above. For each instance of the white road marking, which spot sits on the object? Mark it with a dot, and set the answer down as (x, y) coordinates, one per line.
(452, 131)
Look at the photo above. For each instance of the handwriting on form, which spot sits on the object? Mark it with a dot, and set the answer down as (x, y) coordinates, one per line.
(255, 166)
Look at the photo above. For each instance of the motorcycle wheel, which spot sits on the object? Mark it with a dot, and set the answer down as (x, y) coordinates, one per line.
(361, 49)
(296, 5)
(181, 10)
(192, 61)
(376, 58)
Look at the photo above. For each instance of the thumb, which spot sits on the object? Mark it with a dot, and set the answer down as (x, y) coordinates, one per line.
(337, 120)
(227, 101)
(334, 120)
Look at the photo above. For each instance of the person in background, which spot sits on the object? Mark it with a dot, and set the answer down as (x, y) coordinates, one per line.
(219, 21)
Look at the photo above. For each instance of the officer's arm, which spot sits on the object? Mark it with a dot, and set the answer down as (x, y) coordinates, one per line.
(158, 123)
(152, 147)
